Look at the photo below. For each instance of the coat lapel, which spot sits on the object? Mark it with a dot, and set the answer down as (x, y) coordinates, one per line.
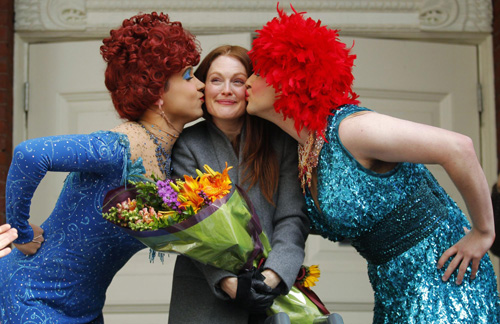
(223, 151)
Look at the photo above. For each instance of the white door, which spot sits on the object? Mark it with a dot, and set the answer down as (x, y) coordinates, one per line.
(424, 82)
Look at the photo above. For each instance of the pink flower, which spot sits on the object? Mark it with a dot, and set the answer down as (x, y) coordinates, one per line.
(147, 215)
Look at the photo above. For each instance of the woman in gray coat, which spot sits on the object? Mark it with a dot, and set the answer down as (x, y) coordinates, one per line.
(264, 161)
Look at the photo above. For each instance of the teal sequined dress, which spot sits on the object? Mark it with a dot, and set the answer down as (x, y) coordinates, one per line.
(401, 222)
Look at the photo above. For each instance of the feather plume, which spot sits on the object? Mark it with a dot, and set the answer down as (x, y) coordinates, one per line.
(308, 64)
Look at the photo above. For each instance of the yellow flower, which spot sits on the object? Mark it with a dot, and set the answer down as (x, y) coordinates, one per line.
(174, 186)
(215, 184)
(166, 213)
(312, 276)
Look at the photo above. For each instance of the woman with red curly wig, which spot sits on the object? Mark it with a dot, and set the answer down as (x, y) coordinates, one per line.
(364, 179)
(60, 270)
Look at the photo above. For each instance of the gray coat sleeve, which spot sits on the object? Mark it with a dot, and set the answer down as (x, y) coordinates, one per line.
(184, 161)
(290, 222)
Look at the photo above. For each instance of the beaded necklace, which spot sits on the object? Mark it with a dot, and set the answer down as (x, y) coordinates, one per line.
(308, 159)
(163, 156)
(164, 116)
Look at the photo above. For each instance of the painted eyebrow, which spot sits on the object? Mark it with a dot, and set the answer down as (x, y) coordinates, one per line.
(235, 75)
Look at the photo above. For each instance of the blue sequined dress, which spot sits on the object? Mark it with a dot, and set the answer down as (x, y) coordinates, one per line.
(66, 280)
(401, 222)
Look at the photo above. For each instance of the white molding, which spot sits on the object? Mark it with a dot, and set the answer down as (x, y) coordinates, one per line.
(401, 95)
(300, 5)
(56, 19)
(21, 49)
(50, 15)
(486, 77)
(457, 15)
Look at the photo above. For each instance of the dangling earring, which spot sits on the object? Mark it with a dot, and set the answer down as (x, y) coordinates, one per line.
(159, 103)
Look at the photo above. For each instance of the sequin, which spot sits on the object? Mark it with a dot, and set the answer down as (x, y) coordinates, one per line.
(66, 280)
(401, 222)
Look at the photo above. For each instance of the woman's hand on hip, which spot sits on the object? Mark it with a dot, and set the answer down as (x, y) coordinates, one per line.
(33, 246)
(470, 249)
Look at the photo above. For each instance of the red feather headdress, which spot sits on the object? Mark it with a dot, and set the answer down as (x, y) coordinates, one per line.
(309, 66)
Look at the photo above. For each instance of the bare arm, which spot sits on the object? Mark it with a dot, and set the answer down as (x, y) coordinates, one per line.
(378, 141)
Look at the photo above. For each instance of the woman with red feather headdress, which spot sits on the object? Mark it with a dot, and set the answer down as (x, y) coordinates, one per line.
(363, 177)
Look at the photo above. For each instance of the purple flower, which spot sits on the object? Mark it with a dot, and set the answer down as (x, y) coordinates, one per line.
(206, 200)
(168, 194)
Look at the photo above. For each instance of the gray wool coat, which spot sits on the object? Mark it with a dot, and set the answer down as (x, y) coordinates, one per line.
(196, 295)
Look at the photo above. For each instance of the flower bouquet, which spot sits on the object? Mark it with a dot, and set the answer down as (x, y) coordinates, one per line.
(203, 219)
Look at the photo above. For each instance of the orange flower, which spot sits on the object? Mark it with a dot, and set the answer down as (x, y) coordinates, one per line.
(215, 184)
(188, 195)
(189, 184)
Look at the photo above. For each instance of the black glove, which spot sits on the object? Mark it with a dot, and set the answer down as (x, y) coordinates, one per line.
(253, 294)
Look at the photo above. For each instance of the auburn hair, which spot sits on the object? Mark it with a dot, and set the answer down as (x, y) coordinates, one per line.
(141, 55)
(260, 163)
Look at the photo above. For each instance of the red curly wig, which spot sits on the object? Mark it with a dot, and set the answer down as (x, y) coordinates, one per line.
(308, 65)
(141, 55)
